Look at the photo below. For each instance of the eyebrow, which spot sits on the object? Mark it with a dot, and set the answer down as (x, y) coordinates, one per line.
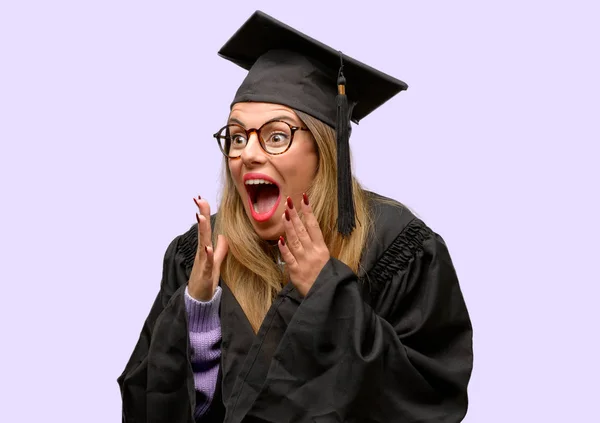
(282, 117)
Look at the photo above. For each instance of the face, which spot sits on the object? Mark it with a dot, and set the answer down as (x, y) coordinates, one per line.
(264, 181)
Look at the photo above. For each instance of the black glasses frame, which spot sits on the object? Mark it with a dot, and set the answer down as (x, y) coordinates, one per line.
(219, 137)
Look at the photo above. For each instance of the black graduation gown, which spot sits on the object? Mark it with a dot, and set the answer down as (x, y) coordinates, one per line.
(393, 344)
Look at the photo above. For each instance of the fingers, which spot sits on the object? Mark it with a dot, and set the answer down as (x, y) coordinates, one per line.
(302, 238)
(286, 254)
(310, 221)
(207, 271)
(297, 234)
(292, 248)
(220, 253)
(204, 229)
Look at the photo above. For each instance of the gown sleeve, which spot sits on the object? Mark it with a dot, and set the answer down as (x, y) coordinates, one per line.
(157, 384)
(406, 358)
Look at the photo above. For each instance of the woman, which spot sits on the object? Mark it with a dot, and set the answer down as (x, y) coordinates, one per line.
(310, 306)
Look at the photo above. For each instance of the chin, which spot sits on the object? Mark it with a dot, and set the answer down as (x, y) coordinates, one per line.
(268, 231)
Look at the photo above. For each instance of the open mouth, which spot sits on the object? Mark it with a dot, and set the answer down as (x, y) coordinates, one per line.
(263, 196)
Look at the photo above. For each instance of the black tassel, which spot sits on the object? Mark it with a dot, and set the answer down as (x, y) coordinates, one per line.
(346, 218)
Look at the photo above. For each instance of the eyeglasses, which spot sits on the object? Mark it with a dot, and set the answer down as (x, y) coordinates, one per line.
(275, 137)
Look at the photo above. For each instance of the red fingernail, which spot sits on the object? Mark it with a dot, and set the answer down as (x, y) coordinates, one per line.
(305, 198)
(197, 217)
(287, 215)
(282, 241)
(199, 198)
(290, 204)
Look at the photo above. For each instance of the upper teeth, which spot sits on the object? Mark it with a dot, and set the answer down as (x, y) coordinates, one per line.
(257, 181)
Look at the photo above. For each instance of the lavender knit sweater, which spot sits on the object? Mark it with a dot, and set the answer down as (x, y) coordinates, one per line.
(205, 337)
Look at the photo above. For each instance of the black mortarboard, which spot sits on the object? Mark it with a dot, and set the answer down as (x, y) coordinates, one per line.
(290, 68)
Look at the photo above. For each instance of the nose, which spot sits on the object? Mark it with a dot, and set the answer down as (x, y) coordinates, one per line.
(253, 154)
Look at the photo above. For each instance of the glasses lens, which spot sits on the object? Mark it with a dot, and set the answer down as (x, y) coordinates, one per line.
(276, 137)
(233, 139)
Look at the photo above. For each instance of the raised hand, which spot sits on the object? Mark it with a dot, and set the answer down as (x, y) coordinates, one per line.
(206, 270)
(305, 252)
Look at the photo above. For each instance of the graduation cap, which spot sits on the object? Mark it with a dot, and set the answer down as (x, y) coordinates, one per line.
(290, 68)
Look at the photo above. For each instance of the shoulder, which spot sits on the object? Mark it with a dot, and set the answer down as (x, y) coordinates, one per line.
(395, 234)
(388, 215)
(182, 249)
(398, 239)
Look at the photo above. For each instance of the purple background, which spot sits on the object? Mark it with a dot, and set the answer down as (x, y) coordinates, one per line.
(106, 115)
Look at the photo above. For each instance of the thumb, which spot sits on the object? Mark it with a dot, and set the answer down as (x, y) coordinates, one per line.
(220, 253)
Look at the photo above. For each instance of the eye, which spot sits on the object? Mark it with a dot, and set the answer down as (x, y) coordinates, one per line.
(278, 138)
(238, 141)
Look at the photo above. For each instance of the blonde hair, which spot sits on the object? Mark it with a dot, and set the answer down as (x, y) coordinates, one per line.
(250, 269)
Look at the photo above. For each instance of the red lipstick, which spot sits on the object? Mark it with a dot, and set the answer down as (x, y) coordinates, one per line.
(253, 191)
